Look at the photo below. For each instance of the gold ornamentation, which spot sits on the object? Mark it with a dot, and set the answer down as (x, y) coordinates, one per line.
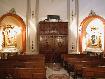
(92, 13)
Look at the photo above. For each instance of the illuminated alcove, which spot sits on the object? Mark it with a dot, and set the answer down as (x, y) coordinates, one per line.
(91, 37)
(12, 33)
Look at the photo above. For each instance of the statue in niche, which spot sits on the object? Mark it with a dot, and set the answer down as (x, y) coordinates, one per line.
(9, 36)
(93, 39)
(100, 45)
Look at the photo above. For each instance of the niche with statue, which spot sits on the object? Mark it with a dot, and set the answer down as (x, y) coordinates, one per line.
(92, 34)
(12, 33)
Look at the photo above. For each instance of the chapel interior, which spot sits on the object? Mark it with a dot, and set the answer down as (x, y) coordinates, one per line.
(52, 39)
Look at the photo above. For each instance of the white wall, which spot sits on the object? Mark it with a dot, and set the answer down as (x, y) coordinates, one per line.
(85, 6)
(19, 5)
(53, 7)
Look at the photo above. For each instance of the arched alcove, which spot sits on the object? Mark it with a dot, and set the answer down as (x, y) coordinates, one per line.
(92, 34)
(12, 32)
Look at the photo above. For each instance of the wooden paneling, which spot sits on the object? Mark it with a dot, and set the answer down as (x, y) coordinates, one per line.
(53, 39)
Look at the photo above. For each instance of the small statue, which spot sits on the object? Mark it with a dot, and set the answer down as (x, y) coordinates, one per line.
(12, 11)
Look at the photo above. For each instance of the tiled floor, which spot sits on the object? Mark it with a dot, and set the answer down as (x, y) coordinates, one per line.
(55, 68)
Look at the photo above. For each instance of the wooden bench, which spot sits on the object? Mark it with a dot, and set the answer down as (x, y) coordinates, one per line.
(93, 72)
(80, 65)
(66, 57)
(71, 61)
(27, 57)
(20, 65)
(22, 73)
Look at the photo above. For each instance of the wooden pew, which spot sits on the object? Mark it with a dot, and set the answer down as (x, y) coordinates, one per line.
(71, 61)
(76, 64)
(27, 57)
(24, 63)
(22, 73)
(79, 66)
(93, 72)
(14, 64)
(65, 57)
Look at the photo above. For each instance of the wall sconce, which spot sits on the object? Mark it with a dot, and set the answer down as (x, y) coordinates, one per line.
(32, 14)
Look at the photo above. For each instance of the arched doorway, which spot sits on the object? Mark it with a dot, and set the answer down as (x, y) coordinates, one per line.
(92, 34)
(12, 32)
